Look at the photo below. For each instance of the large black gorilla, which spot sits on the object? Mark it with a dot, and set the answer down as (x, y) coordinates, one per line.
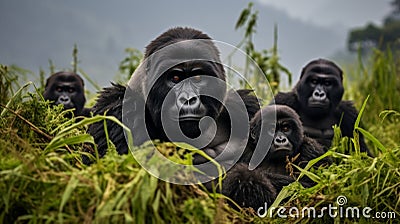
(67, 88)
(253, 188)
(178, 85)
(317, 98)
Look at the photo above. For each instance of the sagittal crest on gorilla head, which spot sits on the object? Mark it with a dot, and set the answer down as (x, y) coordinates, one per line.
(172, 36)
(322, 66)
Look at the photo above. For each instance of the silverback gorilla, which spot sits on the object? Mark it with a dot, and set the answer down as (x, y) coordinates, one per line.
(67, 88)
(317, 98)
(253, 188)
(178, 85)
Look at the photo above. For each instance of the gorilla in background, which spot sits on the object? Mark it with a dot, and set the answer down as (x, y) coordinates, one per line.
(253, 188)
(180, 81)
(67, 88)
(317, 98)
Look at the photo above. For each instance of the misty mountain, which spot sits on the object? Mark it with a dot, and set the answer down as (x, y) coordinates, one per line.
(35, 31)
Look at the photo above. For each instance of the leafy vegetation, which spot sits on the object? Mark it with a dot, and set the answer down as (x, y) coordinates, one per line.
(265, 60)
(381, 81)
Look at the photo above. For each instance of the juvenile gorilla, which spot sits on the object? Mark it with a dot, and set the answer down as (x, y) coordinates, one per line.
(253, 188)
(317, 98)
(67, 88)
(178, 86)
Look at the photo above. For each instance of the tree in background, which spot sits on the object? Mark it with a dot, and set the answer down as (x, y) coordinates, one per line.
(372, 36)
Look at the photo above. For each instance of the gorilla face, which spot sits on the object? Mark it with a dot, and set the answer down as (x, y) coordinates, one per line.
(320, 87)
(282, 135)
(184, 94)
(286, 131)
(65, 88)
(182, 84)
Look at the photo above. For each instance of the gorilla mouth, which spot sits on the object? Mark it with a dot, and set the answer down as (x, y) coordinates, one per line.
(282, 149)
(318, 104)
(190, 117)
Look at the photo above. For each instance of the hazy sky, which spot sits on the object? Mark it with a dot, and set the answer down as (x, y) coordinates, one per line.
(345, 13)
(32, 32)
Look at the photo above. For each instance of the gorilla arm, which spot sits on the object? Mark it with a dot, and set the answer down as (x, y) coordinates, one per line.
(85, 112)
(242, 186)
(310, 149)
(261, 185)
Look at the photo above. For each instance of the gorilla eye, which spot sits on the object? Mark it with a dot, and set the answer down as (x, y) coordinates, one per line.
(314, 81)
(286, 128)
(59, 89)
(327, 83)
(176, 79)
(71, 90)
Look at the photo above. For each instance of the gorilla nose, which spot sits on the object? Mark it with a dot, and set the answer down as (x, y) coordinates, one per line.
(280, 140)
(319, 94)
(64, 100)
(188, 101)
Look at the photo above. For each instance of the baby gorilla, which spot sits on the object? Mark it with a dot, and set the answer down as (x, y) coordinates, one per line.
(253, 188)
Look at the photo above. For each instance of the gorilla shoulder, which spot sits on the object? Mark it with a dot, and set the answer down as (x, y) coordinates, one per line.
(288, 99)
(109, 103)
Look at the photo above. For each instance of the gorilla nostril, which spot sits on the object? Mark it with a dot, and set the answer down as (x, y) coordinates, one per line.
(319, 94)
(194, 101)
(182, 101)
(188, 101)
(64, 99)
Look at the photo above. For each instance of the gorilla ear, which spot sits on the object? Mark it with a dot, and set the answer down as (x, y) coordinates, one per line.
(255, 129)
(253, 134)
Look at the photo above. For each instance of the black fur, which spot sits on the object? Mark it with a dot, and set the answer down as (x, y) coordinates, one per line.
(110, 103)
(253, 188)
(318, 123)
(149, 79)
(175, 35)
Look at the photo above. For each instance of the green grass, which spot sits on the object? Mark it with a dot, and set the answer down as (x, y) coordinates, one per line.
(42, 178)
(378, 78)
